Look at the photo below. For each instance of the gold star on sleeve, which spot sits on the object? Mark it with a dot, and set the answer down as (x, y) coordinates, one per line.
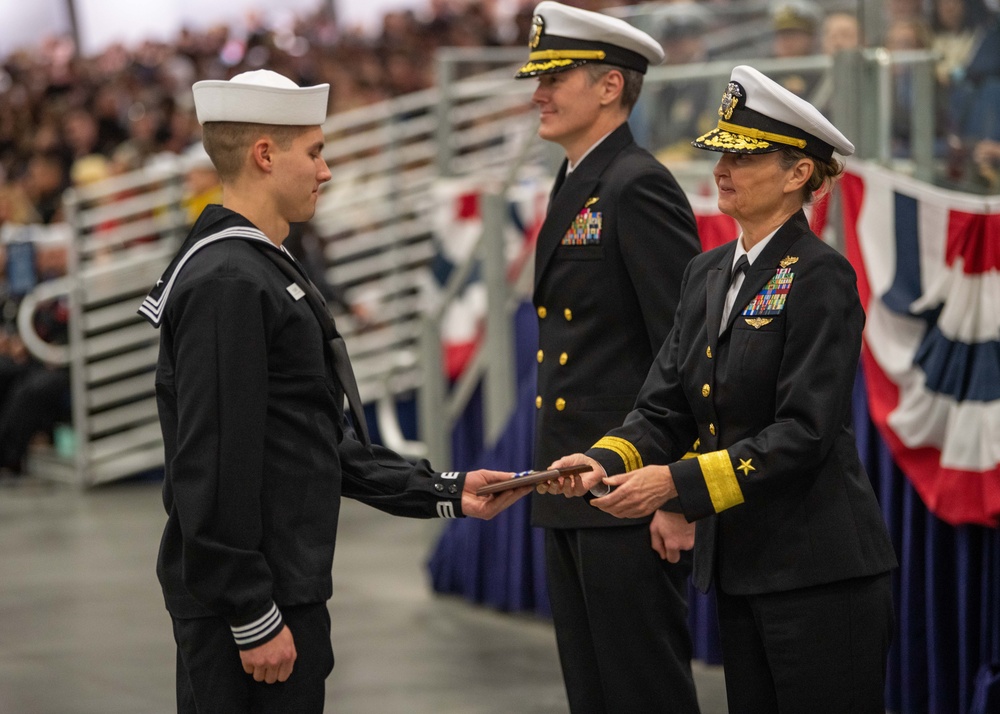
(745, 466)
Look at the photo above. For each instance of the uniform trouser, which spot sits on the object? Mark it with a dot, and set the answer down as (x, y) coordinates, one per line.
(620, 615)
(820, 649)
(210, 676)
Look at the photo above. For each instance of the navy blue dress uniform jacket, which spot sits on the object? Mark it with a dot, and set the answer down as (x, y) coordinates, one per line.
(781, 498)
(608, 265)
(257, 457)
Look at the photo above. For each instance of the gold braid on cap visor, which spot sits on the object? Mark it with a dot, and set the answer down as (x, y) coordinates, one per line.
(567, 55)
(761, 136)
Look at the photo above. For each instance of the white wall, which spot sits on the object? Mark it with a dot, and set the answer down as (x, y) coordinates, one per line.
(103, 22)
(27, 22)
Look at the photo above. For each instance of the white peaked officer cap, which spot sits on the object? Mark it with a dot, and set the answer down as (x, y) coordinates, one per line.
(260, 97)
(759, 116)
(564, 37)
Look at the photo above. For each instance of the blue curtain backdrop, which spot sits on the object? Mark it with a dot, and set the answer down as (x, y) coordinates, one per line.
(946, 654)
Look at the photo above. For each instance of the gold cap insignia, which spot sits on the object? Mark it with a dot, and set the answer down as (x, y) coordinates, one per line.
(789, 260)
(591, 201)
(734, 92)
(758, 322)
(537, 28)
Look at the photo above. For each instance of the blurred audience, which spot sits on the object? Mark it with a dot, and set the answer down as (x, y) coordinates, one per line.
(954, 39)
(796, 26)
(839, 32)
(974, 100)
(67, 119)
(681, 110)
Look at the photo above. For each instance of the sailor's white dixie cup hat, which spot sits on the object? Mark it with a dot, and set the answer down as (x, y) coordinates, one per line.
(759, 116)
(564, 37)
(260, 97)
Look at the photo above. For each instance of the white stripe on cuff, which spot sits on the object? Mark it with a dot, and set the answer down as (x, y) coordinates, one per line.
(259, 628)
(446, 509)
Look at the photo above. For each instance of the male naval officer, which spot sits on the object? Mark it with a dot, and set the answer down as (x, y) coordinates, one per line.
(250, 386)
(608, 266)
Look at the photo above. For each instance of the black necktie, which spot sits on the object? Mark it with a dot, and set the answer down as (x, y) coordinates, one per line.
(345, 373)
(741, 267)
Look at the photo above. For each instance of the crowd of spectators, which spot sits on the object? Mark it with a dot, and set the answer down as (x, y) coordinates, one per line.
(68, 119)
(129, 105)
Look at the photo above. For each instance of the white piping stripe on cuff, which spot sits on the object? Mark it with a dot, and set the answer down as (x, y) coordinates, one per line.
(446, 509)
(259, 628)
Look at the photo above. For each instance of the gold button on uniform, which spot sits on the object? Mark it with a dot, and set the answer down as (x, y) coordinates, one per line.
(542, 312)
(541, 356)
(538, 402)
(706, 390)
(560, 404)
(711, 429)
(568, 314)
(563, 358)
(708, 352)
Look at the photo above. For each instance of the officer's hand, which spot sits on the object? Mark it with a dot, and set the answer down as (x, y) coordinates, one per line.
(637, 493)
(272, 661)
(487, 506)
(671, 533)
(578, 484)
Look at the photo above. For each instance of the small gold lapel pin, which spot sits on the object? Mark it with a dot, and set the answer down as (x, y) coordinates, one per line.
(788, 260)
(591, 201)
(758, 322)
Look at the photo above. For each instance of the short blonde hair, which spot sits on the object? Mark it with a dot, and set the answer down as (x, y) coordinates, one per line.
(227, 143)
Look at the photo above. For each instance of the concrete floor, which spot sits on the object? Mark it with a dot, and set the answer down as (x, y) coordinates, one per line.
(83, 629)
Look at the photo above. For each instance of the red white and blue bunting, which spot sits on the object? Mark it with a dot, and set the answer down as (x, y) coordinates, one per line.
(927, 261)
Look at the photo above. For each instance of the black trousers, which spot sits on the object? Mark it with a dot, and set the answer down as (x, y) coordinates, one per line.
(620, 615)
(210, 676)
(820, 649)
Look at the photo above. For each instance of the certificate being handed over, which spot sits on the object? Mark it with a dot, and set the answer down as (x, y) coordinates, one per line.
(530, 478)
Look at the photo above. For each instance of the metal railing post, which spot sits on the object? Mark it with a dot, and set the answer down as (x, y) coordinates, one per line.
(443, 113)
(433, 425)
(499, 342)
(76, 345)
(922, 118)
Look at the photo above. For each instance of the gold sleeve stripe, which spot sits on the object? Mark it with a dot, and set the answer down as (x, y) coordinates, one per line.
(720, 478)
(567, 54)
(628, 453)
(758, 134)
